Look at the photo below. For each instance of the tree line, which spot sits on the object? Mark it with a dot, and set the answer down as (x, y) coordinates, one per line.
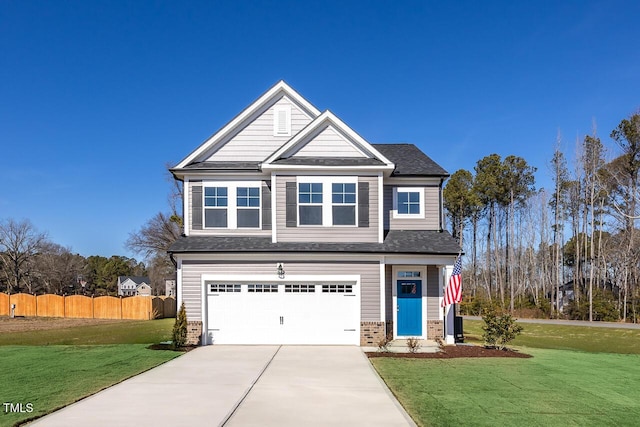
(30, 262)
(569, 251)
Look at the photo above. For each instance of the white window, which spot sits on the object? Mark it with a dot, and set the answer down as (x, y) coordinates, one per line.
(408, 202)
(343, 199)
(282, 120)
(327, 201)
(232, 205)
(310, 203)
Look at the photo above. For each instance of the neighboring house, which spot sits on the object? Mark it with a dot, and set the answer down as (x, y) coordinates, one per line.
(133, 285)
(170, 287)
(299, 231)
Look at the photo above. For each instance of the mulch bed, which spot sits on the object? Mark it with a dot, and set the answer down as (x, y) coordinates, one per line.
(451, 352)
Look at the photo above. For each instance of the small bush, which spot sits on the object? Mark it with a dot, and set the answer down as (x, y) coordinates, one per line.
(383, 343)
(179, 335)
(413, 344)
(499, 330)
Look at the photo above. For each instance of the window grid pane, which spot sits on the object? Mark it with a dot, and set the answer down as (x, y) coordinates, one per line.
(310, 193)
(343, 193)
(248, 197)
(215, 196)
(409, 202)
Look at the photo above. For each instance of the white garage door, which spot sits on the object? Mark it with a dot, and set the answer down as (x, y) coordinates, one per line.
(288, 313)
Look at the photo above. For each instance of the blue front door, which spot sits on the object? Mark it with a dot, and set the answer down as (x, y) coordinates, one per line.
(409, 307)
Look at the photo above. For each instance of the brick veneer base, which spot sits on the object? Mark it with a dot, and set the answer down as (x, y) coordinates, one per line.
(194, 332)
(435, 328)
(371, 333)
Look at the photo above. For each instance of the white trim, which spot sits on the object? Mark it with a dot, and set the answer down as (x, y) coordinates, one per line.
(273, 278)
(449, 310)
(380, 208)
(186, 212)
(272, 94)
(178, 284)
(327, 198)
(327, 117)
(232, 200)
(420, 191)
(423, 297)
(286, 109)
(274, 233)
(383, 305)
(308, 168)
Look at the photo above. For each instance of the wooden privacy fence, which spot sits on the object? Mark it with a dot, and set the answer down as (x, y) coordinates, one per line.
(79, 306)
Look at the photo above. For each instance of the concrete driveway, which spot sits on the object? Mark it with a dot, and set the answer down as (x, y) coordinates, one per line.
(245, 386)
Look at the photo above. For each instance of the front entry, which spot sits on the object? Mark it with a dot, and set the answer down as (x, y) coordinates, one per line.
(409, 308)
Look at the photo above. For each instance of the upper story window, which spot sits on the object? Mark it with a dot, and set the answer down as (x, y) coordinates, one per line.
(215, 204)
(310, 203)
(232, 205)
(327, 201)
(248, 204)
(343, 199)
(408, 202)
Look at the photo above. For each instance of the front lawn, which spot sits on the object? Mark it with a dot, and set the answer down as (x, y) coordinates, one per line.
(565, 337)
(49, 377)
(554, 388)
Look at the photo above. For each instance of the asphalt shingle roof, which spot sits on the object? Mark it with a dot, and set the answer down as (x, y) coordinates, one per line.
(329, 161)
(410, 160)
(396, 242)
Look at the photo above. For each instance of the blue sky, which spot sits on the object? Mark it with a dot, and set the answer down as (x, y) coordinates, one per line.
(96, 97)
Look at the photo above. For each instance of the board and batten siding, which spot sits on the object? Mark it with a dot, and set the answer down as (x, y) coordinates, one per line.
(308, 233)
(431, 220)
(256, 141)
(369, 273)
(199, 230)
(328, 143)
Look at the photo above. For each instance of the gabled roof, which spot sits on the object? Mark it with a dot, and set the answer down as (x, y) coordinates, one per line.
(410, 160)
(327, 118)
(277, 91)
(138, 280)
(396, 242)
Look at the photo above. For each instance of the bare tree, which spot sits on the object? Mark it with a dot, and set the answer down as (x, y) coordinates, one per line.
(19, 243)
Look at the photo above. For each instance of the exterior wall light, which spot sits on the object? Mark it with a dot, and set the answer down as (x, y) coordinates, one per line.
(280, 271)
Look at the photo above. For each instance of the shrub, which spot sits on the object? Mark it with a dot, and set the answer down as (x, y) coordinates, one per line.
(499, 330)
(413, 344)
(179, 335)
(383, 343)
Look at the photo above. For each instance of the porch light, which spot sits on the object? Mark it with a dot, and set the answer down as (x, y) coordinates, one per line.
(280, 271)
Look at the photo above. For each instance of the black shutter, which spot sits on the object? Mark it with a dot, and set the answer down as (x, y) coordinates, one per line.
(363, 204)
(291, 205)
(196, 207)
(266, 206)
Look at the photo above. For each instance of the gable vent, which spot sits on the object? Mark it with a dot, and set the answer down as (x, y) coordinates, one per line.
(282, 120)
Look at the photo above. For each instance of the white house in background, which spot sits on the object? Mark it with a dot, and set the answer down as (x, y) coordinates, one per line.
(134, 285)
(299, 231)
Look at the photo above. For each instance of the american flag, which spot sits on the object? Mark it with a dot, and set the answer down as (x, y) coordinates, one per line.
(453, 291)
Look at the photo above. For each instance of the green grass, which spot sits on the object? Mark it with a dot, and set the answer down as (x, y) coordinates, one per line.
(52, 376)
(554, 388)
(122, 332)
(561, 337)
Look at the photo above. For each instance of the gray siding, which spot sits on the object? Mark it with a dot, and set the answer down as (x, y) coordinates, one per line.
(328, 143)
(326, 234)
(433, 292)
(256, 141)
(369, 273)
(431, 220)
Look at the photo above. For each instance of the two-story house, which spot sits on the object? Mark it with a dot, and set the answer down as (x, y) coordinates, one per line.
(299, 231)
(133, 285)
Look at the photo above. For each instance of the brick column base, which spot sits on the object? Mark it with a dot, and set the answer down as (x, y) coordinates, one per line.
(371, 333)
(194, 332)
(435, 329)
